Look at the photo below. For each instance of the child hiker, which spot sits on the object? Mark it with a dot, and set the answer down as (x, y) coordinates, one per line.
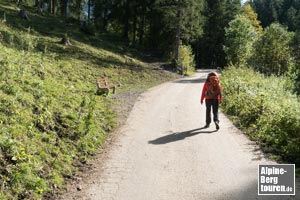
(212, 93)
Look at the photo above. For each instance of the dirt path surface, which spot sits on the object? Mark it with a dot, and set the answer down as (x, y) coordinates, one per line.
(162, 153)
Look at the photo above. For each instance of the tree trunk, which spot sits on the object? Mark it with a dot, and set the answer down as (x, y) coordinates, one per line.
(142, 30)
(155, 28)
(64, 9)
(50, 5)
(53, 6)
(142, 25)
(78, 8)
(177, 36)
(197, 53)
(105, 20)
(126, 21)
(37, 3)
(134, 27)
(89, 10)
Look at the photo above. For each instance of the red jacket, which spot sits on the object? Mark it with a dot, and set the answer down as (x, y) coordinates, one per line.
(204, 93)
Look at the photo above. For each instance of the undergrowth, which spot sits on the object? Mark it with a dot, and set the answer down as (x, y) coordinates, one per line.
(266, 108)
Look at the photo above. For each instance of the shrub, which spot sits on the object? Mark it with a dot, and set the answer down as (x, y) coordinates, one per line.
(186, 59)
(294, 72)
(23, 40)
(266, 107)
(272, 51)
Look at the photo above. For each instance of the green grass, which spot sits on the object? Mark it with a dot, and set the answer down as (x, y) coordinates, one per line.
(50, 116)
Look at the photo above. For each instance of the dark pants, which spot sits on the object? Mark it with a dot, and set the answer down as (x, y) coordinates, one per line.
(214, 103)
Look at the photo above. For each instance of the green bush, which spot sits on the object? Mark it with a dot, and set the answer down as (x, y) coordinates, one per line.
(266, 107)
(23, 40)
(272, 54)
(186, 59)
(295, 70)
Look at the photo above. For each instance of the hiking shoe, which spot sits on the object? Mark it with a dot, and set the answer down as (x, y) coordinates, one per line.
(206, 126)
(217, 125)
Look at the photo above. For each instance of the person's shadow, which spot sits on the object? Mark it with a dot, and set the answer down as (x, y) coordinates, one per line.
(179, 136)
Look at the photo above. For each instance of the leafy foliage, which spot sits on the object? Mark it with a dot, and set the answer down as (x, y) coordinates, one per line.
(272, 51)
(294, 72)
(281, 11)
(266, 107)
(186, 59)
(186, 14)
(239, 38)
(252, 16)
(268, 11)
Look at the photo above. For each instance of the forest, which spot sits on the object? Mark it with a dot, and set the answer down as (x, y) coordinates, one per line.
(197, 27)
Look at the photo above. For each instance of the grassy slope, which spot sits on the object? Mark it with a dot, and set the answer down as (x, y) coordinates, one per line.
(50, 117)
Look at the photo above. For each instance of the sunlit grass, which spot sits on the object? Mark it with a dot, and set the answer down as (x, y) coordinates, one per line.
(49, 113)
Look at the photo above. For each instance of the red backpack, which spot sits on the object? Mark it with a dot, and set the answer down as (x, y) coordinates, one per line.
(214, 88)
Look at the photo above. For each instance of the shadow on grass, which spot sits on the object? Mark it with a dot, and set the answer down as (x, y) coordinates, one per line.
(101, 61)
(179, 136)
(56, 26)
(47, 30)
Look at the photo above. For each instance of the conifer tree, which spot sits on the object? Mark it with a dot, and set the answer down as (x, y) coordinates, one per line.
(212, 41)
(181, 20)
(252, 16)
(268, 11)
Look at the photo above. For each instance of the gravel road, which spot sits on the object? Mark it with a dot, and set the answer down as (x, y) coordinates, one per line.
(162, 153)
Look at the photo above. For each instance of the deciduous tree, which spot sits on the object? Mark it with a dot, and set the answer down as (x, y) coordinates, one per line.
(239, 38)
(272, 51)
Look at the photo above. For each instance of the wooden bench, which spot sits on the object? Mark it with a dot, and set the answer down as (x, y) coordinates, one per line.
(103, 87)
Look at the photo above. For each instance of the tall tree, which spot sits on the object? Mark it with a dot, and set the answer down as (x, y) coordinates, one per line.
(212, 42)
(290, 14)
(157, 24)
(89, 4)
(272, 51)
(103, 13)
(53, 6)
(181, 20)
(268, 11)
(64, 8)
(252, 16)
(127, 15)
(142, 11)
(295, 70)
(240, 36)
